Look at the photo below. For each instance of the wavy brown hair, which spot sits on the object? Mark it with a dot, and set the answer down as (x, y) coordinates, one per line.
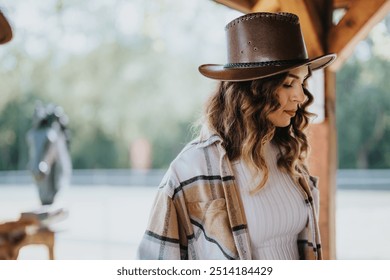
(238, 112)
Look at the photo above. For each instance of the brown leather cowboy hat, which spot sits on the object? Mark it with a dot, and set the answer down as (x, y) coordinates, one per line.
(5, 29)
(261, 45)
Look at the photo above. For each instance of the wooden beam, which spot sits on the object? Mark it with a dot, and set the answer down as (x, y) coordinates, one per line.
(266, 6)
(354, 26)
(321, 12)
(323, 9)
(310, 23)
(244, 6)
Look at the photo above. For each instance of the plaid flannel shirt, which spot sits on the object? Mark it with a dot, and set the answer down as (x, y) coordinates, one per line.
(198, 213)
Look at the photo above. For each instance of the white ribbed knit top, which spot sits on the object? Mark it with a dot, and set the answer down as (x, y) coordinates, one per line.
(276, 214)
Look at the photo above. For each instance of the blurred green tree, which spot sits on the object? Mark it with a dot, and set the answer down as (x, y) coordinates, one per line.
(131, 74)
(363, 104)
(14, 124)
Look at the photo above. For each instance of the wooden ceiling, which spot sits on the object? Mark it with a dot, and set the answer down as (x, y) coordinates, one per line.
(321, 34)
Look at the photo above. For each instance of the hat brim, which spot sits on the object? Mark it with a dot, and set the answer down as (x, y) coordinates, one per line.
(5, 30)
(220, 72)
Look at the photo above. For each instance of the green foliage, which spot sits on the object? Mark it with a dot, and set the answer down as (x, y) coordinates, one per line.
(170, 143)
(363, 108)
(14, 124)
(130, 74)
(98, 151)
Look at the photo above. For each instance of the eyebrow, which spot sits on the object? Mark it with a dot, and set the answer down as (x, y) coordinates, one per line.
(294, 76)
(298, 78)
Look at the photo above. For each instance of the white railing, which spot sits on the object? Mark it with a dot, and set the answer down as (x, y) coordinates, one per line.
(375, 179)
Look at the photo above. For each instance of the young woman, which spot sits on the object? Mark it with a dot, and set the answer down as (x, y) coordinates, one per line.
(242, 190)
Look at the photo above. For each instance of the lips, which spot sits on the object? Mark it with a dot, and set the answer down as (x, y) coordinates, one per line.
(291, 113)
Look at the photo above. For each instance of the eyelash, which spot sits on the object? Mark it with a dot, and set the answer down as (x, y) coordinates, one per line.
(290, 85)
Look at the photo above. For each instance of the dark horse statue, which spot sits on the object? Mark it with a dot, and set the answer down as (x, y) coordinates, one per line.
(48, 142)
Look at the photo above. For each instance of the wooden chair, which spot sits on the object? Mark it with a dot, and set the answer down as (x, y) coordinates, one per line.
(26, 231)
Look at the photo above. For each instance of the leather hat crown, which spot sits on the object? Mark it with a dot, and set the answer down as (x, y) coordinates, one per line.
(5, 29)
(261, 45)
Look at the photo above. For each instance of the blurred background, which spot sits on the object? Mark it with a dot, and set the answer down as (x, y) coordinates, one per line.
(125, 73)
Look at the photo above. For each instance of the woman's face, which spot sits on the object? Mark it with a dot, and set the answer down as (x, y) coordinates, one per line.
(289, 95)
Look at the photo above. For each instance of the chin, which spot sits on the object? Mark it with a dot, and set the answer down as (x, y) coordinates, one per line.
(283, 123)
(280, 121)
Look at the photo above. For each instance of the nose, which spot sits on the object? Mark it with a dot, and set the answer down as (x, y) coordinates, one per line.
(298, 95)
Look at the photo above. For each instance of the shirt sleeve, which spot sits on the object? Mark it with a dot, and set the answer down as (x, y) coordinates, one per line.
(164, 238)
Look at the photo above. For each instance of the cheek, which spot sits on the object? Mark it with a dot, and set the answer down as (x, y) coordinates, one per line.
(282, 99)
(275, 116)
(278, 117)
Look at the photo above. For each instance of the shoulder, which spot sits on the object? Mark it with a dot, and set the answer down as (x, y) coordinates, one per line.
(197, 151)
(200, 157)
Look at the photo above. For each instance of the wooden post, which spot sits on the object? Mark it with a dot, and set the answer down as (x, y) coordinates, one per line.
(323, 163)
